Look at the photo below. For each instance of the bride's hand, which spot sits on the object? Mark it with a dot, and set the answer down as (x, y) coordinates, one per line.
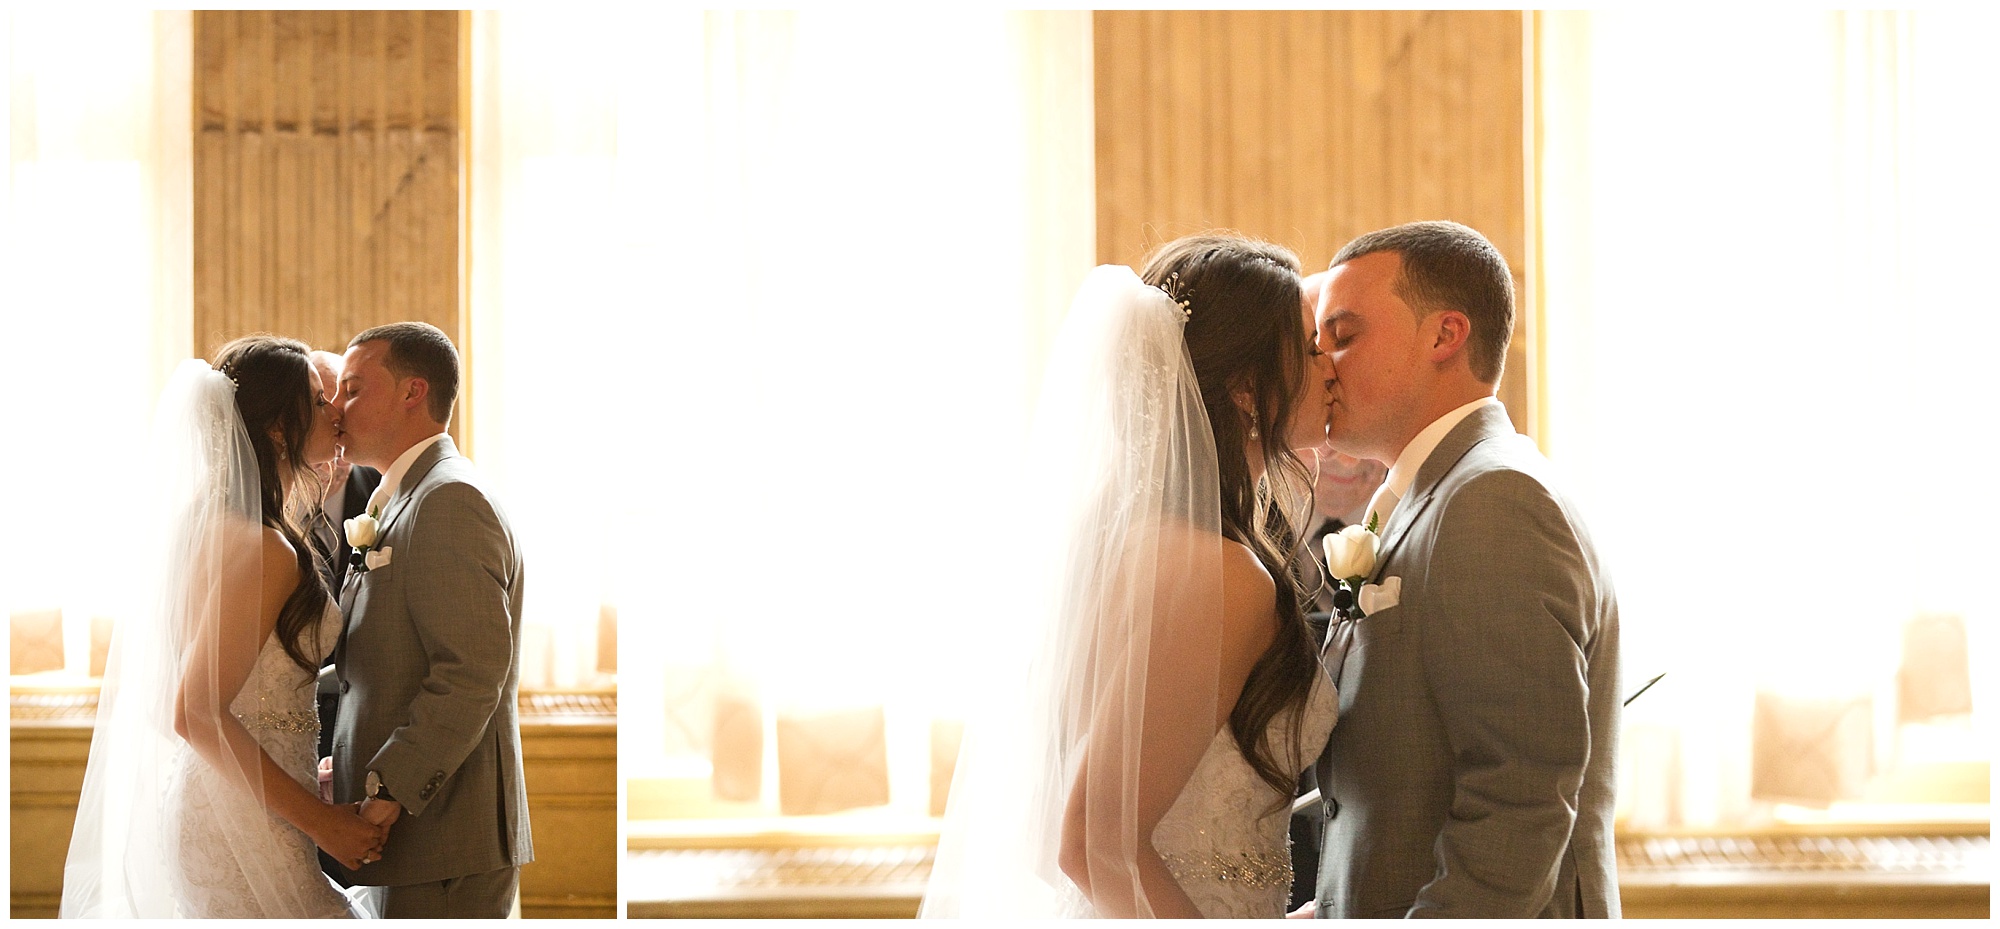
(351, 840)
(381, 814)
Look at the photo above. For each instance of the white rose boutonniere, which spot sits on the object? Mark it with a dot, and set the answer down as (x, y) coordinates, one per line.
(1351, 552)
(1350, 559)
(362, 533)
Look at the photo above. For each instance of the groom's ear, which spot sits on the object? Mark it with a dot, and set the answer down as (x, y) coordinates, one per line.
(1449, 330)
(415, 394)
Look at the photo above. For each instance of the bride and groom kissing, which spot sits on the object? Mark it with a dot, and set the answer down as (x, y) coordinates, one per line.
(1460, 717)
(202, 795)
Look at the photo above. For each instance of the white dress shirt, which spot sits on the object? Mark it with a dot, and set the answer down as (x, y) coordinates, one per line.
(393, 478)
(1404, 472)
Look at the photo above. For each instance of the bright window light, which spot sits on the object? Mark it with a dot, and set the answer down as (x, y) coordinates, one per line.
(1767, 330)
(765, 291)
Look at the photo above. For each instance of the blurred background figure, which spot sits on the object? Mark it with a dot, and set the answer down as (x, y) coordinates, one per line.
(348, 488)
(347, 492)
(1340, 496)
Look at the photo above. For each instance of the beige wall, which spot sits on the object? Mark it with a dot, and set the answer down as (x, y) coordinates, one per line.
(326, 172)
(1311, 127)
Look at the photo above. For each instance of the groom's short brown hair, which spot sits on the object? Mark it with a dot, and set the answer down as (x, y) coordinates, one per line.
(420, 350)
(1448, 266)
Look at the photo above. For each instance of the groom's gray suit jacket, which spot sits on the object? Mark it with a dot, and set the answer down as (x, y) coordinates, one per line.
(1471, 773)
(429, 670)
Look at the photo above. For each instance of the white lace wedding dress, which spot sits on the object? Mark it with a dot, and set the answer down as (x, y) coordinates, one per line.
(279, 706)
(1227, 838)
(1120, 532)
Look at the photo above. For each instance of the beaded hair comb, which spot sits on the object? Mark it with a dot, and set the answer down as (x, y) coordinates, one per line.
(1178, 294)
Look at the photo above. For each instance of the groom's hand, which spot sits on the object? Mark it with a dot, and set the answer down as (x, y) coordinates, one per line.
(382, 813)
(1308, 910)
(326, 780)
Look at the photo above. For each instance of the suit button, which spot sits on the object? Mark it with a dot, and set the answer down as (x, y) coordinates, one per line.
(344, 685)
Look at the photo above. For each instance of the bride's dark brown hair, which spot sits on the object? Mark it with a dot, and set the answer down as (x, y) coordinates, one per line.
(274, 390)
(1246, 330)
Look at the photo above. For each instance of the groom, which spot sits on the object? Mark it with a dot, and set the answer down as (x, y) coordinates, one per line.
(427, 736)
(1471, 772)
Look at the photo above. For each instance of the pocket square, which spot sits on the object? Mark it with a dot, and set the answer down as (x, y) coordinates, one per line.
(1377, 597)
(378, 558)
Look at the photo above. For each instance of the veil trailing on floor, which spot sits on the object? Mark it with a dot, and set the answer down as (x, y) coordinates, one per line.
(1113, 623)
(156, 816)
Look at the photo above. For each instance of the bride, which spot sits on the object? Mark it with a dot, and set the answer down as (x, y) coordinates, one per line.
(1174, 692)
(200, 797)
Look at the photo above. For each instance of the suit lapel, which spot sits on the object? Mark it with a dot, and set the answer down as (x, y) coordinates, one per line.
(1399, 526)
(438, 451)
(1485, 423)
(405, 490)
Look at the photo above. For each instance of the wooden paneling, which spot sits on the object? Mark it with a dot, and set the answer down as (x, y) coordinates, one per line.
(572, 774)
(45, 769)
(1312, 127)
(326, 173)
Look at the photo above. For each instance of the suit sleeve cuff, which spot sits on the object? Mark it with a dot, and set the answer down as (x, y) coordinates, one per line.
(412, 785)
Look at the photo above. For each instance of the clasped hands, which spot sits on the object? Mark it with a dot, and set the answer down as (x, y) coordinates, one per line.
(355, 832)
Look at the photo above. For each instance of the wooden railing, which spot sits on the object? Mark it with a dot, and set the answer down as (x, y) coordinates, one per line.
(569, 742)
(1925, 871)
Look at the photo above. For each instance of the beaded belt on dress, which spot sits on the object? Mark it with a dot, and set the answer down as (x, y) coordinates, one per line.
(294, 721)
(1250, 869)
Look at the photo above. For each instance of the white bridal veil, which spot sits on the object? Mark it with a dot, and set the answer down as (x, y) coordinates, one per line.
(1118, 610)
(155, 816)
